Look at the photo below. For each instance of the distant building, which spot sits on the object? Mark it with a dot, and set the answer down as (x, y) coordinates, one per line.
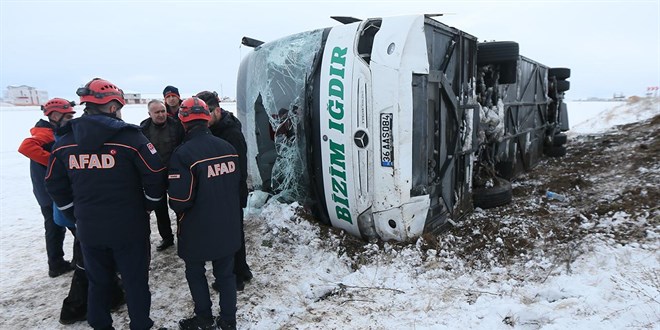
(25, 95)
(618, 97)
(146, 97)
(133, 98)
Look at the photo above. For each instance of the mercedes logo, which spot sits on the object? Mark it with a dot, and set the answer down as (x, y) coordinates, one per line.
(361, 139)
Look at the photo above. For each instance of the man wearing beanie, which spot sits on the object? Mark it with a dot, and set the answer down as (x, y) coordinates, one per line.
(226, 126)
(172, 101)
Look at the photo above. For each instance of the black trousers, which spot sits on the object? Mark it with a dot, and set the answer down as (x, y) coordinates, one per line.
(163, 220)
(199, 287)
(75, 302)
(241, 268)
(54, 238)
(132, 260)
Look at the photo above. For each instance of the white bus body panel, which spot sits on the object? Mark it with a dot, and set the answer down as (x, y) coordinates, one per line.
(399, 50)
(369, 91)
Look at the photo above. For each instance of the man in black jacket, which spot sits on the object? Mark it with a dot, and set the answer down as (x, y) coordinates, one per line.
(204, 183)
(226, 126)
(106, 175)
(166, 133)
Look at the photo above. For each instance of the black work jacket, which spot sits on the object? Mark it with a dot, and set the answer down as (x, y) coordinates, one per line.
(110, 174)
(229, 129)
(204, 192)
(165, 137)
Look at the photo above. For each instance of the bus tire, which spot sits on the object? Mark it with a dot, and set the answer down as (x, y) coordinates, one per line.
(559, 140)
(497, 52)
(498, 195)
(559, 73)
(563, 85)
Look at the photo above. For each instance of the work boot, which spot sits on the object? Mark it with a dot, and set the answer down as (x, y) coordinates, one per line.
(243, 278)
(165, 244)
(225, 325)
(61, 268)
(197, 323)
(71, 315)
(247, 276)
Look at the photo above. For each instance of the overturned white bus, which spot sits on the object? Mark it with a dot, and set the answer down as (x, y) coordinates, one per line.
(392, 127)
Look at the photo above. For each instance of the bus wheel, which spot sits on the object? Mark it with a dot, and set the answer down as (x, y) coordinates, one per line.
(498, 195)
(559, 73)
(563, 85)
(559, 139)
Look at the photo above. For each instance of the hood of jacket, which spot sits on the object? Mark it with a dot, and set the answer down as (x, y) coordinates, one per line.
(228, 120)
(91, 131)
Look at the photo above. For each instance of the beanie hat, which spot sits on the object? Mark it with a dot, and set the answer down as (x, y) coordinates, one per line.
(171, 90)
(210, 98)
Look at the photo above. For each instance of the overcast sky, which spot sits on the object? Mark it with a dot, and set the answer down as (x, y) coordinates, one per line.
(141, 46)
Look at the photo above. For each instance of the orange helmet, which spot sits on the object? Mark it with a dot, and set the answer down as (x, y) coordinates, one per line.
(58, 105)
(100, 91)
(194, 109)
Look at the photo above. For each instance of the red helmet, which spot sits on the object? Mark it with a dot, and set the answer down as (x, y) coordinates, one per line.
(58, 105)
(100, 91)
(194, 109)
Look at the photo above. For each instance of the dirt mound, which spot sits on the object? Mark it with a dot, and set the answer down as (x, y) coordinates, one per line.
(611, 182)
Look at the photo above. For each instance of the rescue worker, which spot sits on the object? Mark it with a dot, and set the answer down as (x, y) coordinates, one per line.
(226, 126)
(37, 149)
(104, 174)
(172, 101)
(204, 184)
(166, 134)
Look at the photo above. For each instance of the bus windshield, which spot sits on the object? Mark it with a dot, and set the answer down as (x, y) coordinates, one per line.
(273, 82)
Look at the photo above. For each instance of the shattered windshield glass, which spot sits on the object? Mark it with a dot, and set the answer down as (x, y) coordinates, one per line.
(272, 83)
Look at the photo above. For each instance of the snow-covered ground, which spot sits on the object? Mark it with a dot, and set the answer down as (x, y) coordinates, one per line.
(596, 117)
(306, 279)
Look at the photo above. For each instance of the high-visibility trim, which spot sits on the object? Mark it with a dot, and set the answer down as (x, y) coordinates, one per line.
(193, 177)
(50, 166)
(153, 199)
(143, 160)
(62, 208)
(64, 147)
(117, 145)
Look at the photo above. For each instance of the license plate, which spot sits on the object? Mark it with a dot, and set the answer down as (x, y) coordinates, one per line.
(386, 138)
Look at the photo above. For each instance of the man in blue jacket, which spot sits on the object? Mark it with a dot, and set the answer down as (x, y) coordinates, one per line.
(204, 186)
(106, 175)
